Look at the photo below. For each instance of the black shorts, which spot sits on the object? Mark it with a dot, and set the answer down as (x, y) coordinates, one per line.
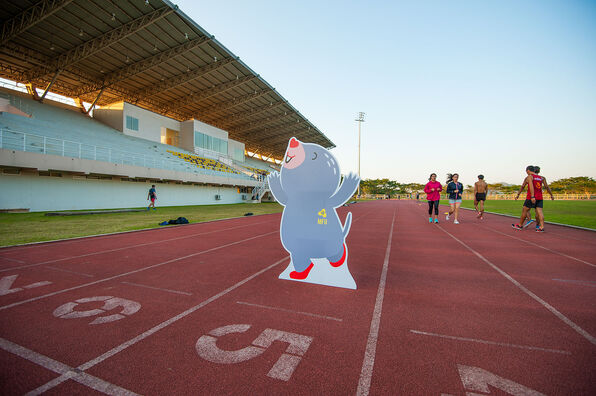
(480, 196)
(528, 203)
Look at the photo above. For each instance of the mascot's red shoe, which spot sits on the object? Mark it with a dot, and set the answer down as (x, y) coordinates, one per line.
(341, 260)
(303, 274)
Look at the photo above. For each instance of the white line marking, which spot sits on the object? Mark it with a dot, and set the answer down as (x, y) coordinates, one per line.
(134, 271)
(491, 342)
(70, 272)
(371, 344)
(165, 324)
(579, 282)
(546, 305)
(126, 247)
(37, 284)
(289, 310)
(158, 288)
(11, 259)
(61, 368)
(542, 247)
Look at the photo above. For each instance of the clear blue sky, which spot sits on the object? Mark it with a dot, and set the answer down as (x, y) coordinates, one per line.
(447, 86)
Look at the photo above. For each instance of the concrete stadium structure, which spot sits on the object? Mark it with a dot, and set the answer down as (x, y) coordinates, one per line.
(169, 105)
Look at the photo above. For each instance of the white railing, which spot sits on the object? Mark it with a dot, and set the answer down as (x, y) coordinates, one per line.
(21, 141)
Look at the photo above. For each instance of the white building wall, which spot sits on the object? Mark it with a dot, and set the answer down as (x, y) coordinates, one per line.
(232, 145)
(112, 117)
(187, 135)
(210, 130)
(46, 193)
(150, 124)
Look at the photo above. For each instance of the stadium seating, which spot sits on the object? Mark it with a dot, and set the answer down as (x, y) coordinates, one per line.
(58, 131)
(204, 163)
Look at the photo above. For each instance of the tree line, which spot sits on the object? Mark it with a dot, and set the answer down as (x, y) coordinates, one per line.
(569, 185)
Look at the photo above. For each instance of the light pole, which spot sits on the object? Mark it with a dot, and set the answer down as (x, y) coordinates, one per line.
(360, 120)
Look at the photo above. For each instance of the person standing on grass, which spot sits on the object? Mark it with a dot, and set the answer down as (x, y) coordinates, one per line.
(152, 196)
(433, 194)
(480, 191)
(455, 190)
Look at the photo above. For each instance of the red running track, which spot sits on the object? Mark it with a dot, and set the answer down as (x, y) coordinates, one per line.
(469, 309)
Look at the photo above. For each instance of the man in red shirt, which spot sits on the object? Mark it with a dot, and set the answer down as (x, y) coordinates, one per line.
(534, 198)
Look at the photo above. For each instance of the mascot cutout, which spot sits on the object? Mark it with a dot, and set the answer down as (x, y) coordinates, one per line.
(308, 186)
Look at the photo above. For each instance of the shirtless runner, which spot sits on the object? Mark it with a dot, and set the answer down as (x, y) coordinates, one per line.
(480, 191)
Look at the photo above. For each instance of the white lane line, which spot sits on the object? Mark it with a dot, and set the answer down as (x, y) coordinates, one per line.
(60, 368)
(70, 272)
(158, 288)
(546, 305)
(289, 310)
(135, 271)
(127, 247)
(11, 259)
(579, 282)
(540, 246)
(37, 284)
(491, 342)
(165, 324)
(371, 343)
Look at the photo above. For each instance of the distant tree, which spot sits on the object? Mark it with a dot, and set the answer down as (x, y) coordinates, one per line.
(574, 185)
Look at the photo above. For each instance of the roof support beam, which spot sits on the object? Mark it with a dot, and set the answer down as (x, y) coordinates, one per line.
(80, 105)
(28, 18)
(95, 101)
(45, 92)
(181, 79)
(98, 44)
(175, 106)
(140, 66)
(32, 90)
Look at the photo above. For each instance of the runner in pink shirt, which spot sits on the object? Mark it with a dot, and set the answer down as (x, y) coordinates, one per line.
(433, 194)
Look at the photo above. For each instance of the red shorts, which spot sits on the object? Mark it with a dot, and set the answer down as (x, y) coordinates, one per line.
(153, 199)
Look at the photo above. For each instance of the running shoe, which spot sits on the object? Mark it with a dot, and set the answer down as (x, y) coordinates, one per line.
(529, 222)
(517, 227)
(430, 219)
(456, 222)
(436, 221)
(539, 229)
(447, 217)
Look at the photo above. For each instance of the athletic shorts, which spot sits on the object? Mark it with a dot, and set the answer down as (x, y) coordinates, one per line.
(528, 203)
(480, 196)
(452, 201)
(152, 199)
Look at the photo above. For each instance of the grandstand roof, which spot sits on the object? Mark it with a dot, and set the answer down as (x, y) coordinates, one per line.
(146, 52)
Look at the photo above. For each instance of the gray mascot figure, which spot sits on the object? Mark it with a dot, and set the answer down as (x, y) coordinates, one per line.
(308, 186)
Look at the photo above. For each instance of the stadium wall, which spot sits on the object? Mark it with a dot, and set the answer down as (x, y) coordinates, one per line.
(48, 193)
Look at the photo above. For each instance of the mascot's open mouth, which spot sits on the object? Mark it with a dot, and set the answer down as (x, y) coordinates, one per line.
(289, 158)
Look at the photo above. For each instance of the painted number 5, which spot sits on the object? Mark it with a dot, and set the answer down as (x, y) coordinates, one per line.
(282, 369)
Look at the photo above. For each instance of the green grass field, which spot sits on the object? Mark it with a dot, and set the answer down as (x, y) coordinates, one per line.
(18, 228)
(577, 213)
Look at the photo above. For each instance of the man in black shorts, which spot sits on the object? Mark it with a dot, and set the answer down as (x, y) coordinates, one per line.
(531, 201)
(480, 191)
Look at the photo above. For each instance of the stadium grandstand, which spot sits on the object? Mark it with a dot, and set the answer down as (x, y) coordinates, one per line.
(100, 99)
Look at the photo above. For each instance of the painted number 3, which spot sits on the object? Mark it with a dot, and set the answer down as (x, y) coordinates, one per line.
(282, 369)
